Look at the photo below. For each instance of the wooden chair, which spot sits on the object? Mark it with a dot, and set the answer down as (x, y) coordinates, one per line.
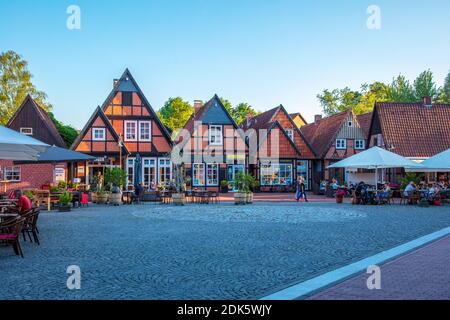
(403, 199)
(10, 232)
(30, 225)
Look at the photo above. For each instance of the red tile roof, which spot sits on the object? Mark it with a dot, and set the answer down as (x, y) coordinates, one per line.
(322, 133)
(412, 129)
(364, 121)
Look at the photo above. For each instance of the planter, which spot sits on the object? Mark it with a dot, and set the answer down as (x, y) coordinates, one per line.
(94, 198)
(64, 208)
(240, 198)
(102, 198)
(179, 199)
(339, 199)
(115, 199)
(249, 198)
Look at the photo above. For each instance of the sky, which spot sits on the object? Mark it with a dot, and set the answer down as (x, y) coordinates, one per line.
(263, 52)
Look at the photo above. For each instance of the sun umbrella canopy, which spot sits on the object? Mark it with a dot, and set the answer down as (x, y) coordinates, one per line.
(57, 154)
(17, 146)
(137, 170)
(375, 158)
(437, 163)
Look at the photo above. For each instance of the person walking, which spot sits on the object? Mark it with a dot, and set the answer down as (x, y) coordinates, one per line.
(300, 190)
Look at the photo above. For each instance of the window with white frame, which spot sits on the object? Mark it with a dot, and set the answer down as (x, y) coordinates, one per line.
(145, 132)
(98, 134)
(11, 174)
(212, 174)
(149, 172)
(130, 171)
(215, 135)
(198, 174)
(130, 130)
(165, 171)
(290, 133)
(27, 131)
(360, 144)
(341, 144)
(276, 174)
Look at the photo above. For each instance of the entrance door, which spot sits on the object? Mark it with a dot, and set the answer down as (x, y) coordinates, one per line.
(303, 170)
(232, 171)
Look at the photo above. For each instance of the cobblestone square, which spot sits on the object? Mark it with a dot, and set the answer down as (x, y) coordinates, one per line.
(222, 251)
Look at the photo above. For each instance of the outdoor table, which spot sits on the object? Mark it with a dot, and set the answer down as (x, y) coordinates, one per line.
(43, 196)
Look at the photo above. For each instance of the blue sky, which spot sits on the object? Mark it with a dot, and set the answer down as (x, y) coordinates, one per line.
(263, 52)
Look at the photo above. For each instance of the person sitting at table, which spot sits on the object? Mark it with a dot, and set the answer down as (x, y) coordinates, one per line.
(23, 203)
(334, 184)
(383, 194)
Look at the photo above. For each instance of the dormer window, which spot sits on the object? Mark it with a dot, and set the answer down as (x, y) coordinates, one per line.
(215, 135)
(27, 131)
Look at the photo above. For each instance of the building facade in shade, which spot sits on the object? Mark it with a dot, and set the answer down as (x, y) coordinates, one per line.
(212, 147)
(32, 120)
(122, 128)
(335, 138)
(283, 153)
(417, 131)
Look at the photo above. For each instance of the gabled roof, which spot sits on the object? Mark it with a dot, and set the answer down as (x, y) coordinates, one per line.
(321, 134)
(267, 119)
(29, 102)
(199, 114)
(126, 83)
(298, 114)
(98, 112)
(412, 129)
(364, 121)
(278, 125)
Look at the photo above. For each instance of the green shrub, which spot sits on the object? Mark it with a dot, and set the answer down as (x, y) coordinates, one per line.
(65, 198)
(115, 177)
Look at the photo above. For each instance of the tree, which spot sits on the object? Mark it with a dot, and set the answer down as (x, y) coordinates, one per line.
(445, 91)
(242, 111)
(424, 86)
(338, 100)
(15, 84)
(67, 132)
(227, 104)
(175, 113)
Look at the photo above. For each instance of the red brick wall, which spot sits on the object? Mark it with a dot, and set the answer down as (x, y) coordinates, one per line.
(32, 175)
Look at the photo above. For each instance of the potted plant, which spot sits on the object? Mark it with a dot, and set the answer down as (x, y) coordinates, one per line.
(115, 178)
(243, 183)
(102, 196)
(224, 186)
(64, 201)
(179, 198)
(340, 193)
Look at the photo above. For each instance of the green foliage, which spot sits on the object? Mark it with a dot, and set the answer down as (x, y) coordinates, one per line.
(29, 194)
(399, 90)
(410, 176)
(115, 177)
(65, 198)
(67, 132)
(15, 84)
(62, 185)
(244, 182)
(224, 184)
(227, 104)
(242, 111)
(175, 113)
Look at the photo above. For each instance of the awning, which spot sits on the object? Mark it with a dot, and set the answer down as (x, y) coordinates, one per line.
(56, 154)
(17, 146)
(437, 163)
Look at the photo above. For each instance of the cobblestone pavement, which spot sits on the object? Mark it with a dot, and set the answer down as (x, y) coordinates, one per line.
(423, 274)
(154, 251)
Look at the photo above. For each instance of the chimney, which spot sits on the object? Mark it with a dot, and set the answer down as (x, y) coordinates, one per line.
(197, 105)
(115, 82)
(317, 118)
(427, 102)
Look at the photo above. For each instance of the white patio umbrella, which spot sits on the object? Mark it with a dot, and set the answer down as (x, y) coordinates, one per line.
(17, 146)
(437, 163)
(375, 158)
